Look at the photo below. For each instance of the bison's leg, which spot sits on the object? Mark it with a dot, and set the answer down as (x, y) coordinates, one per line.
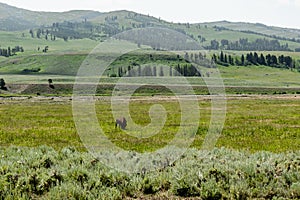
(116, 124)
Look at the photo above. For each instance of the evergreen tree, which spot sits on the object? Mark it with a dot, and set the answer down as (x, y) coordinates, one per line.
(129, 71)
(214, 58)
(262, 60)
(185, 70)
(289, 61)
(38, 33)
(274, 60)
(170, 71)
(8, 52)
(186, 56)
(177, 70)
(31, 33)
(243, 59)
(255, 58)
(139, 70)
(154, 71)
(161, 71)
(231, 61)
(268, 58)
(214, 44)
(222, 56)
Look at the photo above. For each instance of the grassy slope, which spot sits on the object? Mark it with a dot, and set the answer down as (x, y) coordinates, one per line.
(259, 76)
(64, 58)
(63, 67)
(127, 18)
(30, 45)
(259, 28)
(22, 18)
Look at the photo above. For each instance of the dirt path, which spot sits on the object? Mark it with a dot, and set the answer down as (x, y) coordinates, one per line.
(149, 98)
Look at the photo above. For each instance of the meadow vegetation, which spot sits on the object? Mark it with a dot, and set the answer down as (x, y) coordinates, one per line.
(43, 173)
(253, 123)
(42, 157)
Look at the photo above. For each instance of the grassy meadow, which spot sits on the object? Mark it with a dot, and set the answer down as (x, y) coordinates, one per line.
(255, 124)
(42, 156)
(256, 157)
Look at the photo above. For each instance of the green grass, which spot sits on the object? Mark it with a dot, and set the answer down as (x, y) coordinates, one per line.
(234, 33)
(255, 124)
(259, 76)
(61, 64)
(62, 68)
(30, 45)
(258, 28)
(264, 124)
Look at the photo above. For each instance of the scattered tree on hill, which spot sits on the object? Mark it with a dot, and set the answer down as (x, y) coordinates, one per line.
(214, 45)
(45, 50)
(244, 45)
(31, 33)
(11, 52)
(38, 33)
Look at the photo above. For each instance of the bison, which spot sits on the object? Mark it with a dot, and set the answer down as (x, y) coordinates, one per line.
(121, 122)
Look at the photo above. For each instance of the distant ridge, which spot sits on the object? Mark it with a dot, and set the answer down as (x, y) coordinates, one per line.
(18, 19)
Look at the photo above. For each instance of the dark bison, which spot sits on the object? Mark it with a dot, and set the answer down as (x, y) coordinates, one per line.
(121, 122)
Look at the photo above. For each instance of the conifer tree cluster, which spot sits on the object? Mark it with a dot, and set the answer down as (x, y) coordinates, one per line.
(253, 58)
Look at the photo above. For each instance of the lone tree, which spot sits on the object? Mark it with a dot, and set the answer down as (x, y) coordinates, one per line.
(2, 84)
(45, 50)
(50, 82)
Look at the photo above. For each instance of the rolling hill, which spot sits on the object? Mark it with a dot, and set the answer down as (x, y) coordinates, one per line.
(78, 32)
(258, 28)
(17, 19)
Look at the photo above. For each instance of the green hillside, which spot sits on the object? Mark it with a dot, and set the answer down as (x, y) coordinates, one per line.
(258, 28)
(30, 45)
(16, 19)
(96, 25)
(70, 36)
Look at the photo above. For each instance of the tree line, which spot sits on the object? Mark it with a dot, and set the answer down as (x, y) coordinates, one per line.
(178, 70)
(273, 36)
(7, 52)
(220, 28)
(243, 44)
(254, 58)
(42, 33)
